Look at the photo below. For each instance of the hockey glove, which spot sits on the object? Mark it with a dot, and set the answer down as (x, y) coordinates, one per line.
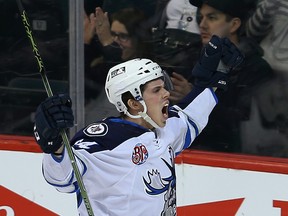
(219, 57)
(51, 116)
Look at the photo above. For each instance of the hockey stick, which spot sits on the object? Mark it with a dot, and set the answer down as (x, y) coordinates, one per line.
(50, 93)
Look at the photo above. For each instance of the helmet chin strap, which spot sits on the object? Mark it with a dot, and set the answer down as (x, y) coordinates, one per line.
(143, 115)
(148, 119)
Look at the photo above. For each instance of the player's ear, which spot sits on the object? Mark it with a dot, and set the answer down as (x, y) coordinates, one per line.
(134, 106)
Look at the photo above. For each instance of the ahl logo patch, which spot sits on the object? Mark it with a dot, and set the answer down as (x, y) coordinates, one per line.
(140, 154)
(117, 72)
(96, 129)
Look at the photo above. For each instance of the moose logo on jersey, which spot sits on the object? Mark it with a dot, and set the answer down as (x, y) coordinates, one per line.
(140, 154)
(156, 184)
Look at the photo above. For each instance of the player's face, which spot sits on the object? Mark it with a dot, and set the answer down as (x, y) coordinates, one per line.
(156, 98)
(122, 37)
(212, 22)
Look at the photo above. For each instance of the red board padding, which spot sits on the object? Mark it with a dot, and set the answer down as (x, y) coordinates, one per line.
(13, 204)
(234, 161)
(18, 143)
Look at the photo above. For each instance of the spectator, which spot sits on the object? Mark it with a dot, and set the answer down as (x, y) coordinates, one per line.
(226, 18)
(119, 41)
(269, 26)
(182, 15)
(122, 40)
(177, 44)
(176, 38)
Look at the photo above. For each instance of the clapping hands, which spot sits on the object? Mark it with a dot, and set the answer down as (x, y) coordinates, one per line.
(97, 24)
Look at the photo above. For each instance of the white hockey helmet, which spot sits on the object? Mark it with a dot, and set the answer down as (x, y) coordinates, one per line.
(128, 77)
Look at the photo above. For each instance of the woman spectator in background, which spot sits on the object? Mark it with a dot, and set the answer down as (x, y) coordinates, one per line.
(109, 41)
(121, 40)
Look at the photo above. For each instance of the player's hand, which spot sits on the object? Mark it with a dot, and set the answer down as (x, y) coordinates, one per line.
(219, 57)
(51, 116)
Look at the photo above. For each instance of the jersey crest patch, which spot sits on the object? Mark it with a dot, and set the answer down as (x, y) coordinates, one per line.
(96, 129)
(140, 154)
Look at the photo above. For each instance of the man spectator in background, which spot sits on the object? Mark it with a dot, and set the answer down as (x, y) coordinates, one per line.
(226, 18)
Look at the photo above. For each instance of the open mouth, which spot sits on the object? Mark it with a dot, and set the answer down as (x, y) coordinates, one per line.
(165, 110)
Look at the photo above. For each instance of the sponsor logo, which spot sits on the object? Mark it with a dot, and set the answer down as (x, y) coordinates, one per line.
(12, 204)
(8, 210)
(222, 207)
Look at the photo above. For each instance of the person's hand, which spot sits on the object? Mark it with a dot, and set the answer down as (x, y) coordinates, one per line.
(219, 57)
(181, 87)
(102, 25)
(89, 28)
(52, 115)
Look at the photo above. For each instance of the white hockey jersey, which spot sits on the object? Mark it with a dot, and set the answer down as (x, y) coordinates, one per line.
(128, 169)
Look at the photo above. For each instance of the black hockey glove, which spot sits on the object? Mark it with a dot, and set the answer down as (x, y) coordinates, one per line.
(51, 116)
(218, 58)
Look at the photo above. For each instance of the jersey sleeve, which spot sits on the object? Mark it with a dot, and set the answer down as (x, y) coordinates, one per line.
(59, 173)
(193, 118)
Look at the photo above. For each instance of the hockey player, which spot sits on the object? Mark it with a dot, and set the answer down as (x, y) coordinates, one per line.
(127, 162)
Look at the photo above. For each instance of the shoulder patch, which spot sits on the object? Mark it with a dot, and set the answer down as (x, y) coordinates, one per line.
(96, 129)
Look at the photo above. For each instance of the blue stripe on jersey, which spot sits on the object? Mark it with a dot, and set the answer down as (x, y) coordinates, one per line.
(64, 185)
(188, 140)
(83, 164)
(214, 95)
(72, 177)
(78, 197)
(194, 126)
(58, 159)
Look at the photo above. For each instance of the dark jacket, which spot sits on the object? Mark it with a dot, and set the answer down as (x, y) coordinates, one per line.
(223, 130)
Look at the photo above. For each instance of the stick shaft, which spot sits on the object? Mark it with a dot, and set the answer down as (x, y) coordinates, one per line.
(42, 72)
